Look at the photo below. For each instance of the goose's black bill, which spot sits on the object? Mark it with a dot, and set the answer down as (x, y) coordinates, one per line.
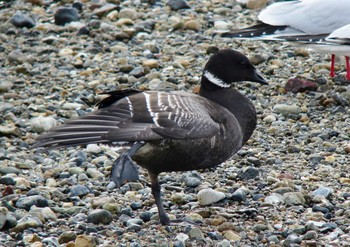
(170, 131)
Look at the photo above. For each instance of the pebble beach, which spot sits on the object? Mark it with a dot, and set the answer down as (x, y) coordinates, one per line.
(288, 186)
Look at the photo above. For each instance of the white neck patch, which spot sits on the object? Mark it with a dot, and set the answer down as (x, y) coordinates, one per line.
(215, 80)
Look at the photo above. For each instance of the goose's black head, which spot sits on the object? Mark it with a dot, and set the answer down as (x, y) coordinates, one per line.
(228, 66)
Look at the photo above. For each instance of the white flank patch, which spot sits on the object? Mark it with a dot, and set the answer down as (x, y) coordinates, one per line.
(215, 80)
(148, 104)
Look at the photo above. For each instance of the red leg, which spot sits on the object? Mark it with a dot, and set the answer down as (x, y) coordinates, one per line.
(347, 68)
(332, 74)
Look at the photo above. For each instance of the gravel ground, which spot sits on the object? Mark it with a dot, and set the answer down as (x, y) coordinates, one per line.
(289, 186)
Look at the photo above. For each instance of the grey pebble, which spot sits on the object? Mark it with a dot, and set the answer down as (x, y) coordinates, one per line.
(195, 232)
(27, 222)
(67, 236)
(274, 198)
(5, 86)
(99, 216)
(239, 195)
(249, 173)
(79, 190)
(177, 4)
(21, 20)
(294, 198)
(9, 169)
(7, 180)
(64, 16)
(28, 201)
(322, 191)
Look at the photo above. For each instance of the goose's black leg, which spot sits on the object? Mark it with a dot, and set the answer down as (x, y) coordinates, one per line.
(155, 186)
(124, 169)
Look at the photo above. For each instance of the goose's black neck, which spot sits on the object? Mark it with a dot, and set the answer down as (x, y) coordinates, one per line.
(230, 98)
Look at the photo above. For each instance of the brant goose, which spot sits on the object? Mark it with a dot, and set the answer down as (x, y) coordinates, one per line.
(299, 17)
(170, 131)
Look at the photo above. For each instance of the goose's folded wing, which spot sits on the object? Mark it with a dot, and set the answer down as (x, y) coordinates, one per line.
(140, 117)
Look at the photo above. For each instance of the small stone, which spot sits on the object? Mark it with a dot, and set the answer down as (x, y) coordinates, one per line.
(249, 173)
(27, 222)
(41, 124)
(93, 148)
(95, 174)
(178, 198)
(309, 235)
(209, 196)
(71, 106)
(177, 4)
(3, 214)
(22, 20)
(256, 4)
(7, 180)
(322, 191)
(274, 198)
(128, 13)
(64, 16)
(273, 239)
(259, 228)
(99, 216)
(294, 198)
(114, 208)
(196, 232)
(285, 109)
(296, 85)
(223, 243)
(65, 52)
(192, 25)
(8, 169)
(79, 190)
(28, 201)
(239, 195)
(66, 237)
(257, 59)
(344, 180)
(292, 240)
(192, 181)
(232, 236)
(16, 57)
(10, 131)
(270, 119)
(137, 72)
(151, 63)
(84, 240)
(182, 237)
(222, 26)
(5, 86)
(105, 9)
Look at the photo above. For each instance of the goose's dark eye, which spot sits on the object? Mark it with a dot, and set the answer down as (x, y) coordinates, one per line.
(245, 64)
